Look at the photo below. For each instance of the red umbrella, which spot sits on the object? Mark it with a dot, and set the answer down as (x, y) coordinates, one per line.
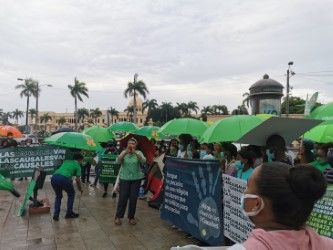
(5, 130)
(144, 145)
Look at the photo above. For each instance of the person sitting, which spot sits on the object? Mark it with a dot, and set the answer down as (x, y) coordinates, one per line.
(279, 200)
(244, 165)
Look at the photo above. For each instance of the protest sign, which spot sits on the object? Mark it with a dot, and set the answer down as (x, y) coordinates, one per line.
(21, 161)
(236, 225)
(109, 168)
(192, 198)
(321, 218)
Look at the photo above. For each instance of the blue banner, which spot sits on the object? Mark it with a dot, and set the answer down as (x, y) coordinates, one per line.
(192, 198)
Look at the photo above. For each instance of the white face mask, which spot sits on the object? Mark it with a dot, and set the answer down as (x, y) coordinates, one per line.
(254, 211)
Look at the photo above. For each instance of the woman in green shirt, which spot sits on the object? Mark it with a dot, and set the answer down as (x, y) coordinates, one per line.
(130, 176)
(62, 180)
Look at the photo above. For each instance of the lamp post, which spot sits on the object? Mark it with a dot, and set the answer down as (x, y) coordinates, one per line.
(289, 74)
(37, 96)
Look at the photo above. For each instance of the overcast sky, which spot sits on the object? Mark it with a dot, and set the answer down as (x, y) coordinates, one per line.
(207, 51)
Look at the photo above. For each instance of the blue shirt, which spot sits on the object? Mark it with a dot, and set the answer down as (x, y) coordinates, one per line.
(244, 175)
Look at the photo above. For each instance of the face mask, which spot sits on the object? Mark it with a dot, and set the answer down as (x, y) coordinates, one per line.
(239, 164)
(181, 147)
(222, 155)
(270, 156)
(202, 153)
(254, 211)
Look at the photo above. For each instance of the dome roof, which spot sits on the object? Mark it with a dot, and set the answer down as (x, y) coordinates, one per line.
(267, 82)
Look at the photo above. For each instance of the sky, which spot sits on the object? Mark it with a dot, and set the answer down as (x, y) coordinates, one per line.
(184, 50)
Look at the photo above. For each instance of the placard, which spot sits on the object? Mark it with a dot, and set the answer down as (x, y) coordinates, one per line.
(109, 168)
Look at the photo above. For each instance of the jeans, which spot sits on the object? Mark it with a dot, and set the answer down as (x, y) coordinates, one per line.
(98, 173)
(85, 172)
(128, 190)
(60, 183)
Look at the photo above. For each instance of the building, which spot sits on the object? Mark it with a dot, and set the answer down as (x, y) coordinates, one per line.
(103, 120)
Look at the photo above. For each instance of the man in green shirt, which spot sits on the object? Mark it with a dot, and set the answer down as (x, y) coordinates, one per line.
(321, 162)
(62, 180)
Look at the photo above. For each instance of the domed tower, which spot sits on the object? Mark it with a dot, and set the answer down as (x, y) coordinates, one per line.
(265, 96)
(139, 103)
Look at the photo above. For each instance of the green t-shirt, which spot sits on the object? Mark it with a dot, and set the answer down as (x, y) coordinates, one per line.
(88, 157)
(320, 165)
(131, 167)
(69, 168)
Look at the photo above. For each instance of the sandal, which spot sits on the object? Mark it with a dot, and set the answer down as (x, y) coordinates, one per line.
(132, 221)
(117, 221)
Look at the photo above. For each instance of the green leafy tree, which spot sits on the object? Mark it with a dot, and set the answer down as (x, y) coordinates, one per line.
(150, 105)
(5, 117)
(28, 89)
(137, 87)
(193, 106)
(95, 114)
(205, 111)
(45, 118)
(130, 112)
(240, 110)
(112, 112)
(81, 114)
(16, 114)
(32, 113)
(61, 121)
(78, 90)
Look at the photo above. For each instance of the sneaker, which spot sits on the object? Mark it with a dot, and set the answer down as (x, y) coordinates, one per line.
(132, 221)
(71, 215)
(117, 221)
(55, 217)
(104, 195)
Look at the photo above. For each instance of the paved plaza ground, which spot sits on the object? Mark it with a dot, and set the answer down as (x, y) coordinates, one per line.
(94, 229)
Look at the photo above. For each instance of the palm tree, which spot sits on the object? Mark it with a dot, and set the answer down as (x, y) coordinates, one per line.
(205, 111)
(240, 110)
(223, 109)
(95, 114)
(17, 114)
(112, 112)
(77, 90)
(166, 109)
(246, 100)
(183, 109)
(45, 118)
(193, 106)
(150, 105)
(28, 88)
(32, 113)
(81, 114)
(5, 116)
(133, 89)
(130, 112)
(61, 121)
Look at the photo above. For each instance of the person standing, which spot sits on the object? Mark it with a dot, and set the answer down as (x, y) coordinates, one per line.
(130, 176)
(62, 180)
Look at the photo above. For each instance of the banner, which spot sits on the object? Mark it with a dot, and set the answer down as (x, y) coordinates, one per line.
(21, 161)
(309, 104)
(109, 168)
(236, 225)
(192, 198)
(321, 218)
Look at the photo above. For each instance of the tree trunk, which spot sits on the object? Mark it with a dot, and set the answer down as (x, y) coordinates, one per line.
(27, 111)
(134, 107)
(75, 112)
(108, 117)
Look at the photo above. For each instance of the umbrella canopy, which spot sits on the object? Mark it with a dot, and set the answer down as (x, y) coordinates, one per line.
(324, 112)
(4, 130)
(288, 128)
(144, 145)
(265, 116)
(123, 127)
(231, 128)
(99, 134)
(149, 132)
(8, 186)
(72, 140)
(60, 130)
(180, 126)
(323, 133)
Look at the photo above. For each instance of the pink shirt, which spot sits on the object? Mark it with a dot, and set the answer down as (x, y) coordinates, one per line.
(304, 239)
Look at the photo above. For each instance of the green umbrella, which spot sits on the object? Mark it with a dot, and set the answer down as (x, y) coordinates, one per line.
(149, 132)
(99, 134)
(8, 186)
(231, 128)
(180, 126)
(324, 112)
(123, 127)
(323, 133)
(72, 140)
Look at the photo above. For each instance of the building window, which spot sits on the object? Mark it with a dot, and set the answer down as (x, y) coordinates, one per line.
(103, 120)
(141, 120)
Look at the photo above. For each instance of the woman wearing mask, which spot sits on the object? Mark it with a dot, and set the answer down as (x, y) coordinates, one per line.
(276, 150)
(244, 165)
(278, 200)
(185, 151)
(228, 163)
(130, 176)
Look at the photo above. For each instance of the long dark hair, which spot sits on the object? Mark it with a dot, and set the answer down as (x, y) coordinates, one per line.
(293, 191)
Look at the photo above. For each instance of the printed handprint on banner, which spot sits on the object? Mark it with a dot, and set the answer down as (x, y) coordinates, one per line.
(208, 221)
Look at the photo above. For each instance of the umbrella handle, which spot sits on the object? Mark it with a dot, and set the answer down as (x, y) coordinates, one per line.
(15, 193)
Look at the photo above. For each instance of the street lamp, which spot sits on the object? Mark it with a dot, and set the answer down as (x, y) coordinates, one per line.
(37, 95)
(289, 72)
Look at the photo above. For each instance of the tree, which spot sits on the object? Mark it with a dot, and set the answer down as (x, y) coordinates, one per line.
(240, 110)
(112, 112)
(133, 89)
(130, 112)
(205, 111)
(45, 118)
(77, 90)
(28, 88)
(193, 106)
(183, 109)
(223, 110)
(95, 114)
(149, 105)
(246, 100)
(164, 113)
(17, 114)
(5, 116)
(81, 114)
(32, 113)
(61, 121)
